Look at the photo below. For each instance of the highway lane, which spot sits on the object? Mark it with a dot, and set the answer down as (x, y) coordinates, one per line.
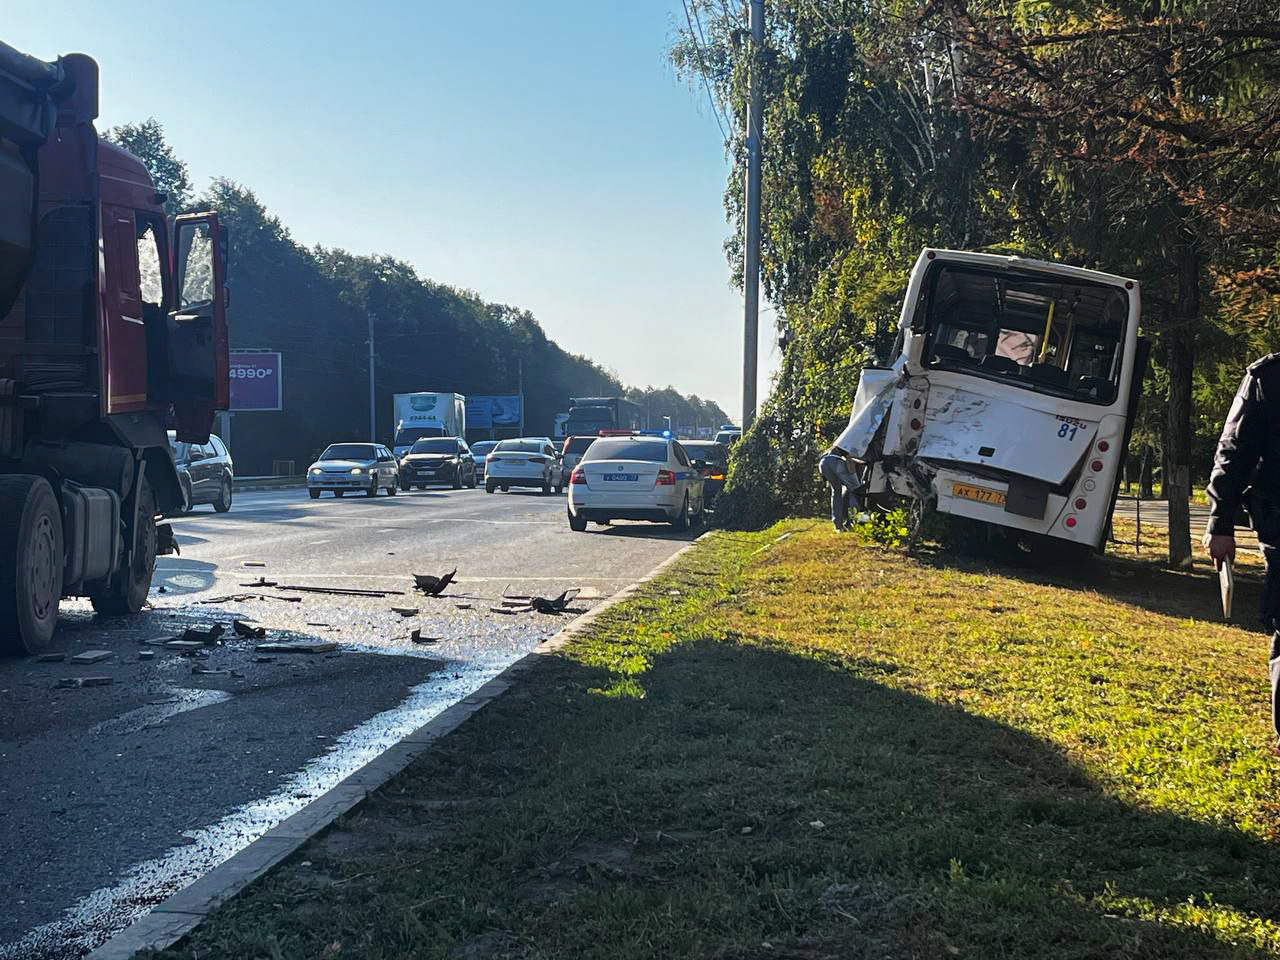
(112, 797)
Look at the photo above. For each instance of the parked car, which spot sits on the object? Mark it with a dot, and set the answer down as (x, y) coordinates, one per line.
(526, 462)
(635, 478)
(481, 450)
(205, 472)
(438, 460)
(571, 453)
(713, 460)
(355, 467)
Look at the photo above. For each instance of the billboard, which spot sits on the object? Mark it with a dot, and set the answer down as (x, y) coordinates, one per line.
(256, 380)
(494, 413)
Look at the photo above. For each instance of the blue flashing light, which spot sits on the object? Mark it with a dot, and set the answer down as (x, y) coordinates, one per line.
(667, 434)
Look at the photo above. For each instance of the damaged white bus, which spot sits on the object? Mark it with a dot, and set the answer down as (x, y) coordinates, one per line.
(1010, 401)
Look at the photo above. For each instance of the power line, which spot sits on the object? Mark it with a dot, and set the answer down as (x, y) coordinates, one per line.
(702, 66)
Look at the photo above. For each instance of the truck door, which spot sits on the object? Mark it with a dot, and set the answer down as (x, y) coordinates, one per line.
(199, 366)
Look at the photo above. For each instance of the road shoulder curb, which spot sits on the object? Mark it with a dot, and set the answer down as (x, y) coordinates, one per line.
(177, 916)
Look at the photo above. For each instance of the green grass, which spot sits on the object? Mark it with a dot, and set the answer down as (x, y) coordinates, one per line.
(809, 748)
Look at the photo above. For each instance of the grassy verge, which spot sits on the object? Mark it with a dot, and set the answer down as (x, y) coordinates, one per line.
(795, 746)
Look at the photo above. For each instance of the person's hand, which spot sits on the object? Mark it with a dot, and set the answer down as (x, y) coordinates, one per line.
(1220, 547)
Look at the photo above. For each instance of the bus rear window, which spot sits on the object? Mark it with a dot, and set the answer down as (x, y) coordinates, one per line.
(1048, 334)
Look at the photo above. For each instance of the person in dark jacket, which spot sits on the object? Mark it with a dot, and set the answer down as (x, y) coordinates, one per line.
(1246, 475)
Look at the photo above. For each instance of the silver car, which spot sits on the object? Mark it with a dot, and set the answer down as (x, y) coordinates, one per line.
(356, 467)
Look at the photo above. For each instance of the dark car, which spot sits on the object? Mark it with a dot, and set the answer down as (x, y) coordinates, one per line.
(571, 455)
(432, 460)
(714, 458)
(205, 472)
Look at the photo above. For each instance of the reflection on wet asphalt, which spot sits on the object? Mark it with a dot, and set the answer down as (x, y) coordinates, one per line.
(114, 797)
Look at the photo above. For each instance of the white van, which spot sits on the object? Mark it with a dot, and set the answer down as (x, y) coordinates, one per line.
(1011, 399)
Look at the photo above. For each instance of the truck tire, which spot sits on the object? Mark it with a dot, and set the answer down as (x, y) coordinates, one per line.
(31, 562)
(126, 591)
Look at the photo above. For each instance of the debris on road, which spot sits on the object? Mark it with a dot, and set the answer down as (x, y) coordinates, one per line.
(208, 636)
(248, 631)
(146, 654)
(463, 606)
(208, 671)
(555, 606)
(405, 611)
(51, 658)
(91, 656)
(431, 585)
(289, 646)
(417, 637)
(264, 659)
(341, 591)
(260, 582)
(253, 563)
(184, 646)
(69, 683)
(242, 598)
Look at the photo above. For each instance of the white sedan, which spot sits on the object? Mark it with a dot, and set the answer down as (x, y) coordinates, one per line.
(635, 478)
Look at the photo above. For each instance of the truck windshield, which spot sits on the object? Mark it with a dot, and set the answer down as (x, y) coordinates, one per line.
(1043, 332)
(407, 436)
(349, 451)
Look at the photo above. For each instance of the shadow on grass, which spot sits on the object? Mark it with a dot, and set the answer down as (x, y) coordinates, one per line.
(754, 796)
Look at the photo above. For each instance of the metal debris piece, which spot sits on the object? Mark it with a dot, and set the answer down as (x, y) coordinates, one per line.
(431, 585)
(463, 606)
(208, 672)
(508, 610)
(51, 657)
(91, 656)
(69, 683)
(162, 589)
(146, 654)
(248, 631)
(417, 637)
(291, 647)
(184, 646)
(264, 659)
(208, 636)
(340, 591)
(253, 563)
(405, 611)
(556, 605)
(260, 582)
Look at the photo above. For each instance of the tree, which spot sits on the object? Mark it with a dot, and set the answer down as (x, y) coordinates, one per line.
(146, 141)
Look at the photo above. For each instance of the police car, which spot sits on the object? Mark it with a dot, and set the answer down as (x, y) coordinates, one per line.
(635, 478)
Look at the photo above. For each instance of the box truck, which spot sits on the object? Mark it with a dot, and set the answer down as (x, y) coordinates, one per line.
(418, 415)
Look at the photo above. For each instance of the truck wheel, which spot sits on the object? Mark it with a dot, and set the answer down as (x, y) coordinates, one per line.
(31, 562)
(223, 503)
(127, 589)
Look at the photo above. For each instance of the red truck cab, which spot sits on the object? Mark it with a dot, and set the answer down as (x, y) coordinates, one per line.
(112, 327)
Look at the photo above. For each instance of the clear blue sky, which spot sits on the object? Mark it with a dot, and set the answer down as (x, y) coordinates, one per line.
(542, 154)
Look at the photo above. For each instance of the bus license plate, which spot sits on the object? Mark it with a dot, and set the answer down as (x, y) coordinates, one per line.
(625, 477)
(968, 491)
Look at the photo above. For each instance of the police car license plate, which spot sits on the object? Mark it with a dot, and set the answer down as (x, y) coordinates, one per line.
(969, 491)
(626, 477)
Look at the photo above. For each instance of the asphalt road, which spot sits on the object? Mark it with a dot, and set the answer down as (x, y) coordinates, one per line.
(114, 796)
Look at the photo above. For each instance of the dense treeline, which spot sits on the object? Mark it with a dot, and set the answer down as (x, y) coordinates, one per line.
(1137, 138)
(313, 305)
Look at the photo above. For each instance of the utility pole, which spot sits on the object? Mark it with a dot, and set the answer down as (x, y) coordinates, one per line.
(373, 420)
(751, 264)
(520, 382)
